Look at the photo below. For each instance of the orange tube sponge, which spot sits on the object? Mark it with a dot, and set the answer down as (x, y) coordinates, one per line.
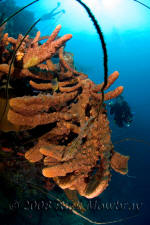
(38, 54)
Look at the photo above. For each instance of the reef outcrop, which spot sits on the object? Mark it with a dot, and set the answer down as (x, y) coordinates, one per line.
(77, 151)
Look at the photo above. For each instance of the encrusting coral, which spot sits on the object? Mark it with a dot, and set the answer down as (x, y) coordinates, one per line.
(77, 151)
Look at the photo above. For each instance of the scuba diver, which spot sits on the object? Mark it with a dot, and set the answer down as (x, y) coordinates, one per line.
(51, 15)
(122, 113)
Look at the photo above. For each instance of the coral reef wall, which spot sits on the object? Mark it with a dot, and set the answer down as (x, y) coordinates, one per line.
(18, 24)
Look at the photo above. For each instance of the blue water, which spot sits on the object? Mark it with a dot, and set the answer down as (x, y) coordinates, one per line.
(126, 29)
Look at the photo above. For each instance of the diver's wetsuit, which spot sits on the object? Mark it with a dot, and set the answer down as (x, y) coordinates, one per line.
(122, 114)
